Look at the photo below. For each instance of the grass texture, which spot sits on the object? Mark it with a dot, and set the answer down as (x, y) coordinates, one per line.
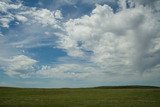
(80, 97)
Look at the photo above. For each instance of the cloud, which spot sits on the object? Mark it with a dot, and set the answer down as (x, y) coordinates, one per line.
(145, 2)
(7, 17)
(25, 28)
(19, 65)
(74, 71)
(6, 5)
(21, 18)
(22, 13)
(29, 21)
(125, 41)
(104, 46)
(43, 16)
(61, 71)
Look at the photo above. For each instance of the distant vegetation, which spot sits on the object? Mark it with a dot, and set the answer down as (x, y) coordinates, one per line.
(119, 96)
(128, 87)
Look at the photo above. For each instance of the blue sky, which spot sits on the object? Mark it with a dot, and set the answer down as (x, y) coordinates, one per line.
(79, 43)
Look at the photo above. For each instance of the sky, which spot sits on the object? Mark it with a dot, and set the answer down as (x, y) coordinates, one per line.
(79, 43)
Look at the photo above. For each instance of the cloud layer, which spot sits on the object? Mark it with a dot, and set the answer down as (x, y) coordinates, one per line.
(106, 45)
(19, 66)
(124, 40)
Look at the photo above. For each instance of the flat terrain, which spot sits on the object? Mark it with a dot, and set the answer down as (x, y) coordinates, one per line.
(87, 97)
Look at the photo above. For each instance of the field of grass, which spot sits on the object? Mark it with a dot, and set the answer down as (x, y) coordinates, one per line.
(87, 97)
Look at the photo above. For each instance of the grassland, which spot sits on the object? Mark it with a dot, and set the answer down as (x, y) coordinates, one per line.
(81, 97)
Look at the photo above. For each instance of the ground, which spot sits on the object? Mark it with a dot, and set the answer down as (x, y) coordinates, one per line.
(80, 97)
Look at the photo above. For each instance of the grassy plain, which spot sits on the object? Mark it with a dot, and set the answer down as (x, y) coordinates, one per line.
(80, 97)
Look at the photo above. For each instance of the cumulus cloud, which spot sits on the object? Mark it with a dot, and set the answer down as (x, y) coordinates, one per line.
(19, 65)
(106, 45)
(43, 16)
(6, 5)
(61, 71)
(29, 25)
(29, 21)
(122, 41)
(75, 71)
(22, 13)
(21, 18)
(7, 17)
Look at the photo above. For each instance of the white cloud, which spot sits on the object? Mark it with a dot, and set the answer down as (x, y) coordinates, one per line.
(19, 65)
(145, 2)
(8, 17)
(4, 22)
(59, 71)
(34, 22)
(94, 74)
(43, 16)
(120, 42)
(6, 5)
(24, 13)
(72, 71)
(21, 18)
(116, 45)
(31, 22)
(58, 14)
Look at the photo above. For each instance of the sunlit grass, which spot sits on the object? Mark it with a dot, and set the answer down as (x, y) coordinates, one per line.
(91, 97)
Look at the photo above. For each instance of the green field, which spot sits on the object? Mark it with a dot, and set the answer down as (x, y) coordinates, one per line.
(80, 97)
